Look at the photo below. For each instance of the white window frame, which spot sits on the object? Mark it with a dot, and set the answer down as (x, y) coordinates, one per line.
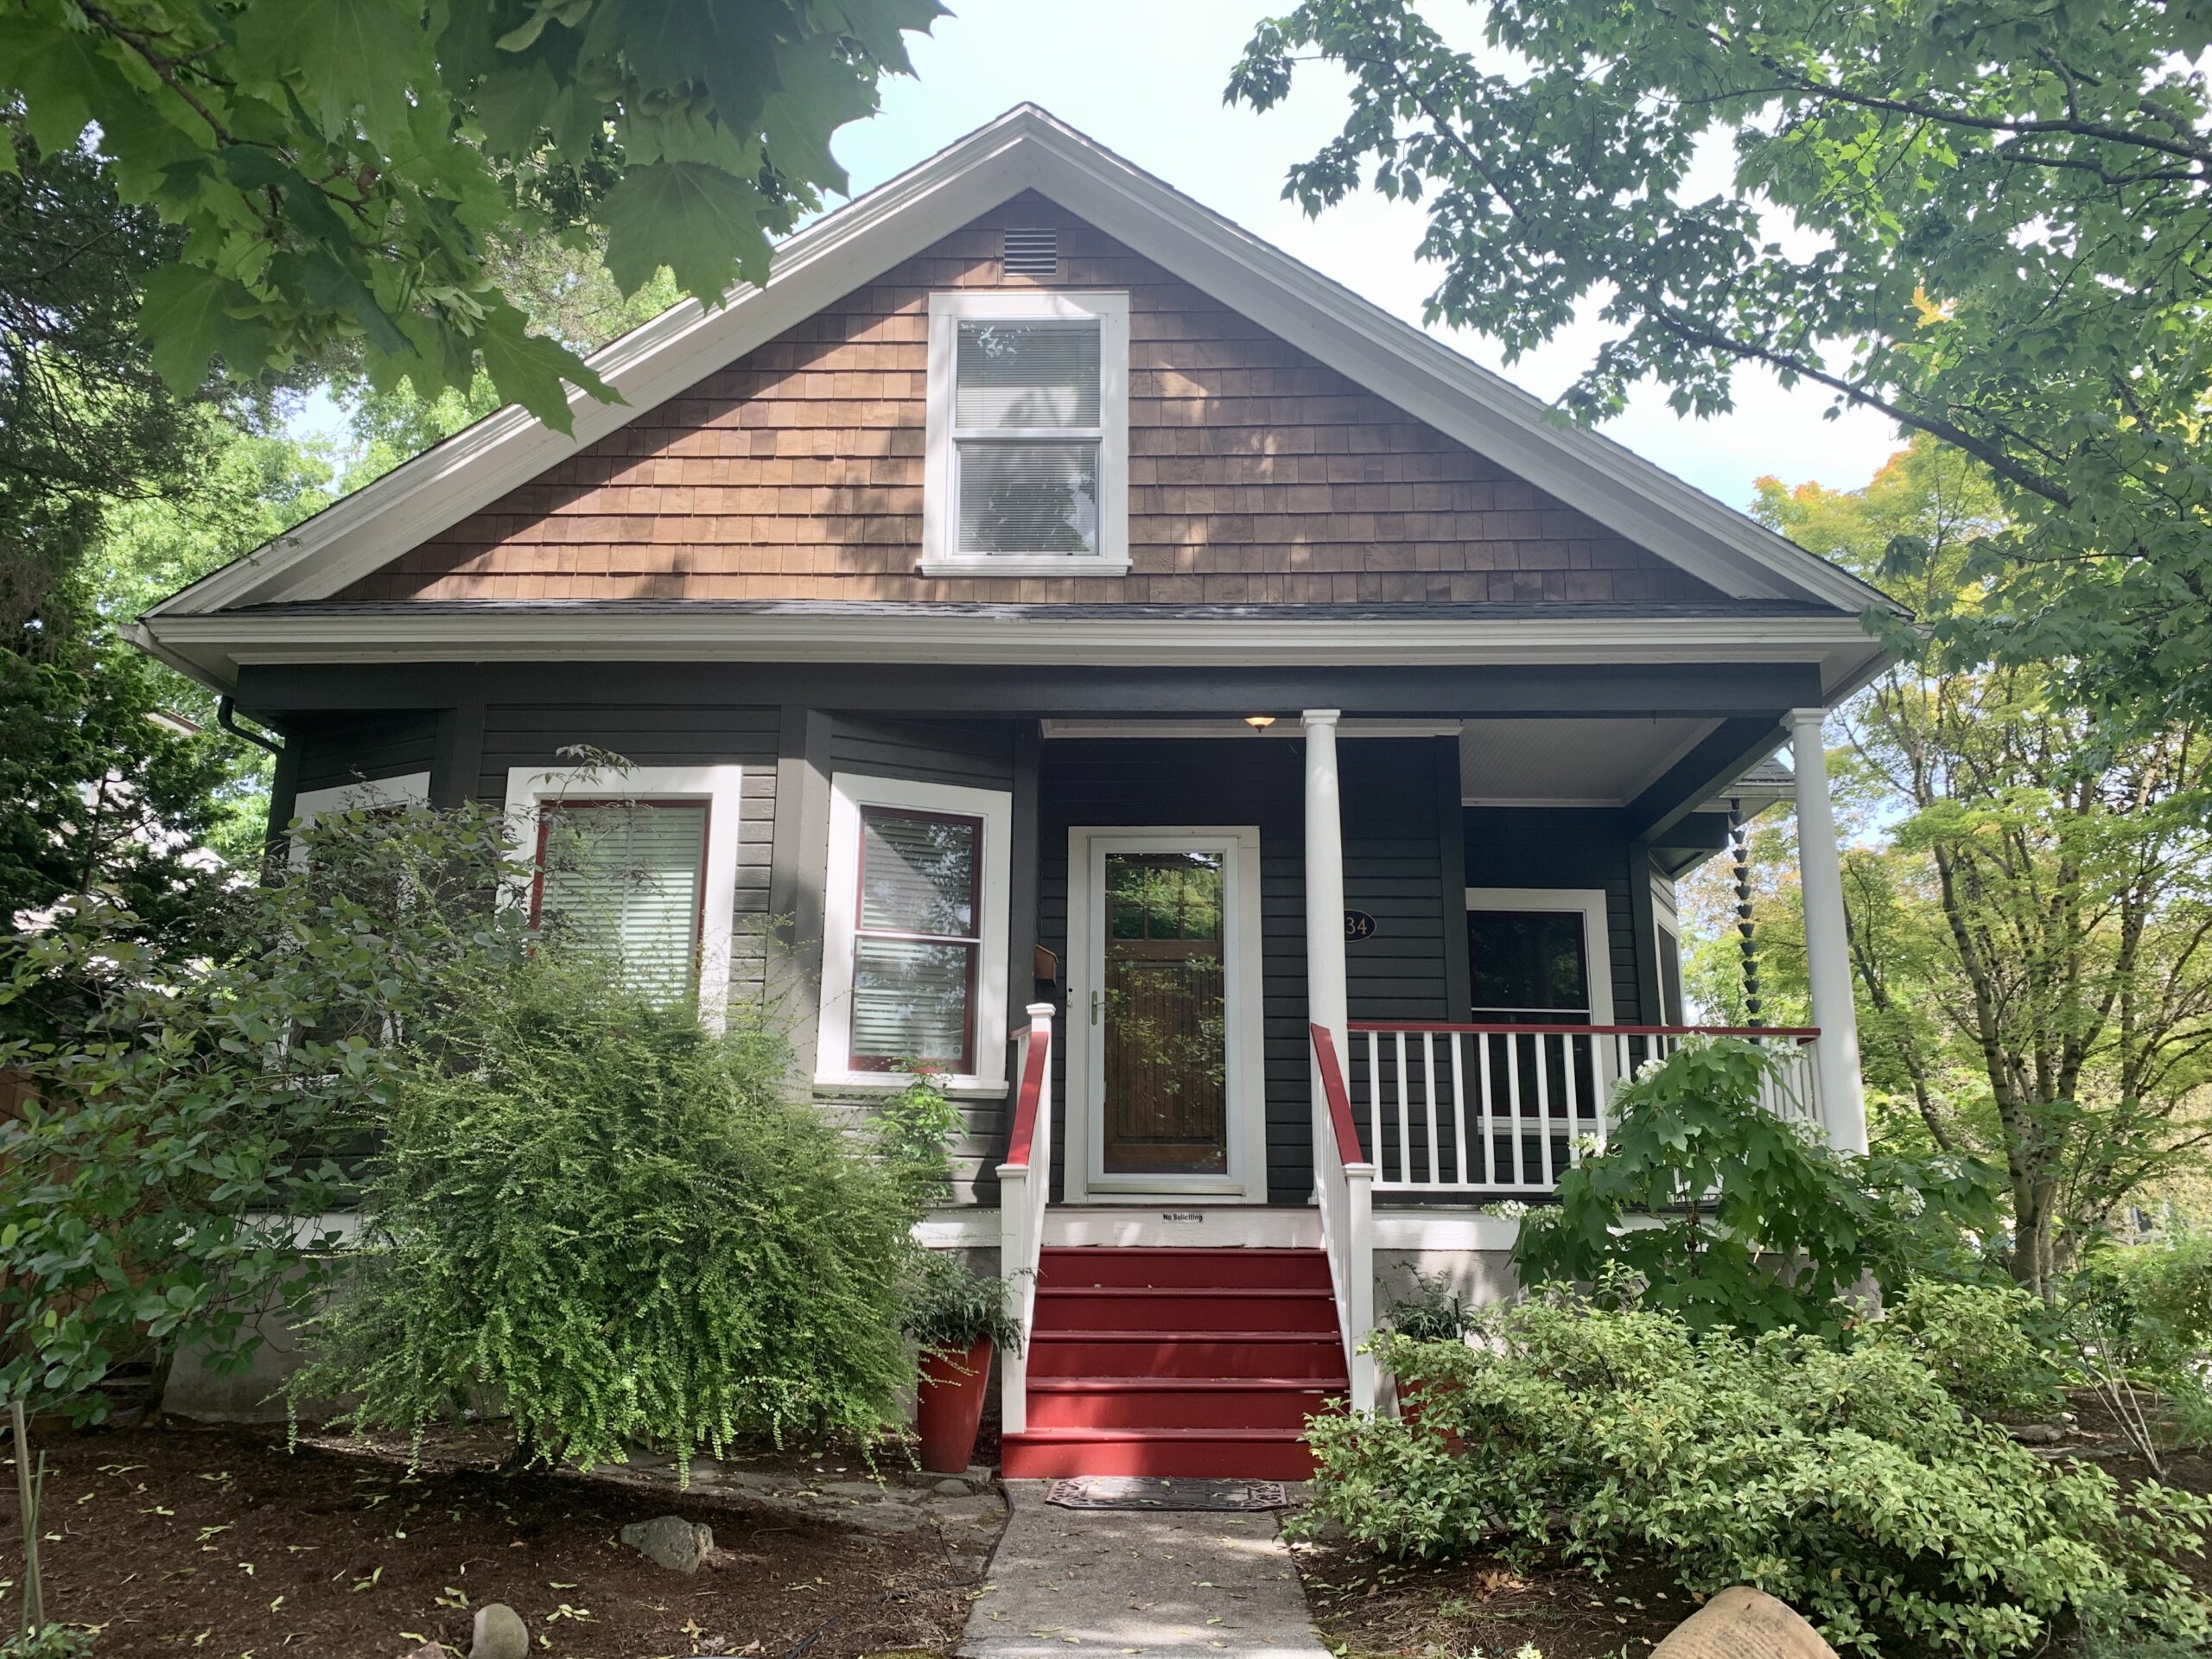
(941, 554)
(1597, 930)
(407, 789)
(1666, 940)
(848, 793)
(722, 787)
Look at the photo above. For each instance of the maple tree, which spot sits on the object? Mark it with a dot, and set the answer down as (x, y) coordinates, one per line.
(336, 167)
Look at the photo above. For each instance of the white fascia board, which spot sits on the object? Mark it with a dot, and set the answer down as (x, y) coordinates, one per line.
(1023, 149)
(218, 644)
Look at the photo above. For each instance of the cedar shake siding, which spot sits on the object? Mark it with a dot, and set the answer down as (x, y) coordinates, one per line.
(1256, 476)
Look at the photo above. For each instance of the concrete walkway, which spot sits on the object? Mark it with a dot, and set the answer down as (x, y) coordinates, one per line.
(1118, 1582)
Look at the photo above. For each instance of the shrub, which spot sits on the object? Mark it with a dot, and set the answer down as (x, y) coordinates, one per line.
(1432, 1312)
(159, 1182)
(599, 1217)
(1846, 1483)
(1706, 1204)
(1991, 1346)
(953, 1309)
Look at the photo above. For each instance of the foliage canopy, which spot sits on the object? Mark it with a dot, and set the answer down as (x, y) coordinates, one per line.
(1983, 220)
(335, 167)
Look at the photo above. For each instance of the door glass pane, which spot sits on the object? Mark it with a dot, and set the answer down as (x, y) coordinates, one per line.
(910, 1003)
(628, 877)
(1533, 968)
(1028, 498)
(918, 873)
(1165, 1014)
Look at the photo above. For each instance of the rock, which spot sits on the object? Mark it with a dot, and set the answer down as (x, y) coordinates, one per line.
(1743, 1624)
(500, 1633)
(671, 1542)
(854, 1488)
(2036, 1433)
(429, 1650)
(952, 1486)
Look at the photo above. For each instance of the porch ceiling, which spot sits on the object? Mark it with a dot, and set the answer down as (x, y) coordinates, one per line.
(1572, 762)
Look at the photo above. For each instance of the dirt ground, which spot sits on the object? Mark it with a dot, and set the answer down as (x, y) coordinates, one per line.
(222, 1543)
(1480, 1605)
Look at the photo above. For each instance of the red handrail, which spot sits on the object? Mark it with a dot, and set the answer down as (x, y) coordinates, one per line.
(1802, 1034)
(1332, 1090)
(1025, 1104)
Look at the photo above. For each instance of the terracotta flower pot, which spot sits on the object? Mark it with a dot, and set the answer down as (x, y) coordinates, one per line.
(949, 1406)
(1411, 1390)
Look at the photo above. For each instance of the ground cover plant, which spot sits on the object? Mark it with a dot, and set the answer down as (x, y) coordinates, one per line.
(1845, 1481)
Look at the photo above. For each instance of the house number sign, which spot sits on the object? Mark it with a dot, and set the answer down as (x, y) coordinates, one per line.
(1358, 925)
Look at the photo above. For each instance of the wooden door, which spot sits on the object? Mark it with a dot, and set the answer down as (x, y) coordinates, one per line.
(1163, 1017)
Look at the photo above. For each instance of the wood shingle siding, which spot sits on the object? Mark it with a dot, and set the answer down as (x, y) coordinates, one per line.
(1256, 475)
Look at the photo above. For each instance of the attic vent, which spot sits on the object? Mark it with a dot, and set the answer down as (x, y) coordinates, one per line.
(1031, 253)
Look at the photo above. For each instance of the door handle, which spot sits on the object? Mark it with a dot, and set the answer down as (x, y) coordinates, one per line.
(1093, 1007)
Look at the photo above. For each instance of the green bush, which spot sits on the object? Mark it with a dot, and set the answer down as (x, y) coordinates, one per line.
(1845, 1482)
(159, 1185)
(594, 1215)
(1991, 1346)
(1432, 1311)
(1705, 1204)
(953, 1309)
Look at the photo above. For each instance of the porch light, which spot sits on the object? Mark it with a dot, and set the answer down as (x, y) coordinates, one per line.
(1259, 722)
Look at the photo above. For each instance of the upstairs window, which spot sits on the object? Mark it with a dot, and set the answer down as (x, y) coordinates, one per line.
(1028, 435)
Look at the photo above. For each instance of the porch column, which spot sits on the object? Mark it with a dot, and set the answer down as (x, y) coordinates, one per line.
(1325, 996)
(1828, 953)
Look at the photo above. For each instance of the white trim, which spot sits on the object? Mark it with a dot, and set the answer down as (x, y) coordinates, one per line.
(407, 788)
(1028, 149)
(1284, 726)
(212, 648)
(1597, 933)
(1213, 1225)
(1246, 1180)
(848, 793)
(940, 553)
(719, 786)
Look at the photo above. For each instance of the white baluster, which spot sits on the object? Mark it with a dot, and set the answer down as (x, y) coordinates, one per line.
(1487, 1109)
(1428, 1072)
(1459, 1104)
(1405, 1117)
(1544, 1125)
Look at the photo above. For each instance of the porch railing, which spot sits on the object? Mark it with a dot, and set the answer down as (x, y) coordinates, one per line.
(1343, 1179)
(1025, 1184)
(1502, 1109)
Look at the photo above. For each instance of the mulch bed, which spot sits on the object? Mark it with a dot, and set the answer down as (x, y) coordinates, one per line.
(222, 1543)
(1481, 1606)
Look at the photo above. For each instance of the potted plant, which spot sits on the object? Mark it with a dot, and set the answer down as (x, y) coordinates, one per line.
(1433, 1311)
(955, 1320)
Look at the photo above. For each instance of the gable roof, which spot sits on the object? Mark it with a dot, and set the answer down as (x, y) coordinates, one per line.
(1027, 149)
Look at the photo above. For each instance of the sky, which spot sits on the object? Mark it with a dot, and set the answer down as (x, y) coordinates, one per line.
(1145, 78)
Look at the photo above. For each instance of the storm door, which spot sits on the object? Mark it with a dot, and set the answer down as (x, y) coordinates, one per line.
(1160, 995)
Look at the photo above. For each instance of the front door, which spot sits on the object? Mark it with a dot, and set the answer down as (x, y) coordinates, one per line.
(1162, 972)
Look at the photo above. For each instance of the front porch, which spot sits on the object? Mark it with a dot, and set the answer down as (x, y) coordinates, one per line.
(1169, 1229)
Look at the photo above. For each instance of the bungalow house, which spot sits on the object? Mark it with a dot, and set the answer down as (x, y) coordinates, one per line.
(1243, 745)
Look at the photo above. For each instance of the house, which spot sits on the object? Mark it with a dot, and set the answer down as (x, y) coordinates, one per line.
(1247, 746)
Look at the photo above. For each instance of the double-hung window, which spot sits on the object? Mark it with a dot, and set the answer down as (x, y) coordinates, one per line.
(1028, 435)
(640, 863)
(915, 949)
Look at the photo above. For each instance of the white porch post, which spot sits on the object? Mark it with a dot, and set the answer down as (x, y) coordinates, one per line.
(1827, 952)
(1325, 996)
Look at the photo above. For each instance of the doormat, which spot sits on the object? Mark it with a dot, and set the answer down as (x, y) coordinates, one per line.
(1148, 1492)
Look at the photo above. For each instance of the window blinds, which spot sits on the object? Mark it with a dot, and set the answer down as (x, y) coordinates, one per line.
(628, 877)
(1023, 489)
(915, 945)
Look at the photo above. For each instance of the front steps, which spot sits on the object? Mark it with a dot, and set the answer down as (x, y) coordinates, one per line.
(1177, 1362)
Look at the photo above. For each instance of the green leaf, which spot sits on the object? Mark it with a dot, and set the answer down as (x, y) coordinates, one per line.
(698, 220)
(189, 315)
(530, 370)
(342, 56)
